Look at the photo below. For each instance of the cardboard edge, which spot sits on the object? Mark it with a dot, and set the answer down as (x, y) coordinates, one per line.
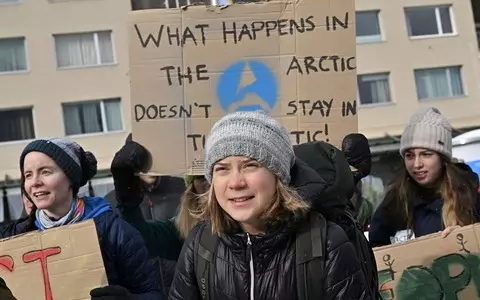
(425, 238)
(40, 233)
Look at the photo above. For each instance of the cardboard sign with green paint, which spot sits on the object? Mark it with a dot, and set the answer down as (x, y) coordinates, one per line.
(432, 268)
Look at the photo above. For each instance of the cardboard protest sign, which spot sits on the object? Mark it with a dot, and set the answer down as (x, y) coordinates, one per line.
(58, 264)
(189, 67)
(431, 267)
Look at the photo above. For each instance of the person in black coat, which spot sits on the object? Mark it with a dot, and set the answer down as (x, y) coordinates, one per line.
(161, 194)
(255, 214)
(432, 192)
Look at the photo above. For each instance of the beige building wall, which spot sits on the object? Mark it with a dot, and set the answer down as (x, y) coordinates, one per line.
(399, 55)
(45, 87)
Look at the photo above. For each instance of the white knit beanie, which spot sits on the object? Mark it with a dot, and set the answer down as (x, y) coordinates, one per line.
(252, 134)
(428, 129)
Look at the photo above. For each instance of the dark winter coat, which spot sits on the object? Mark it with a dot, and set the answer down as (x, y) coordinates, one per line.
(123, 250)
(427, 217)
(5, 293)
(274, 260)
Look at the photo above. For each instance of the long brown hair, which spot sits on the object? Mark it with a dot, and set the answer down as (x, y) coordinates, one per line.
(190, 203)
(287, 205)
(457, 189)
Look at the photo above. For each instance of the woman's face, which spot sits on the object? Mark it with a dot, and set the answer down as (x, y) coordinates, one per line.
(244, 189)
(423, 165)
(46, 184)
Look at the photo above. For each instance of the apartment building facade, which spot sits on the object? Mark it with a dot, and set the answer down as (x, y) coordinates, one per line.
(412, 54)
(64, 70)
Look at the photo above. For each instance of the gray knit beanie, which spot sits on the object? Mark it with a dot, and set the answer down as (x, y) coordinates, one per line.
(252, 134)
(428, 129)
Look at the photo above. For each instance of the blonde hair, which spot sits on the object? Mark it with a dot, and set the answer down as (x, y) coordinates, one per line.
(189, 204)
(287, 205)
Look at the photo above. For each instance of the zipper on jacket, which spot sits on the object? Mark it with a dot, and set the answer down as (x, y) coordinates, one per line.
(252, 269)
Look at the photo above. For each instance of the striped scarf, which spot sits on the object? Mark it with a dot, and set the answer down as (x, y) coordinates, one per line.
(74, 215)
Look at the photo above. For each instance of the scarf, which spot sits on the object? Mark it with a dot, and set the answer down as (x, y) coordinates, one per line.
(74, 214)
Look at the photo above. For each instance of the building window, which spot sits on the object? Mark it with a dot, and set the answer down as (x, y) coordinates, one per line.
(12, 55)
(84, 49)
(16, 124)
(439, 83)
(374, 89)
(8, 1)
(92, 116)
(368, 26)
(429, 21)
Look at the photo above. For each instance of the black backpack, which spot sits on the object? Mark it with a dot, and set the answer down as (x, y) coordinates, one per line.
(331, 164)
(310, 259)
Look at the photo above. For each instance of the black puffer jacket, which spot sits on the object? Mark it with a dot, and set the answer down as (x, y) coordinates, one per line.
(274, 260)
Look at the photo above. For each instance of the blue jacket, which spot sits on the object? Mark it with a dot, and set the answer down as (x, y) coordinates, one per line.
(124, 253)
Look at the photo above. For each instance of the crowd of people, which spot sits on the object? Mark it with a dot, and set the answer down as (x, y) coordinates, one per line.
(268, 220)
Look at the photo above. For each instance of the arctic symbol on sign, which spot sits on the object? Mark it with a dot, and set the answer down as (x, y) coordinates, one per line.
(232, 87)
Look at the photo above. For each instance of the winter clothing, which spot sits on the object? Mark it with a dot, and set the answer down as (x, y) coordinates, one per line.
(111, 292)
(251, 134)
(427, 217)
(159, 232)
(428, 129)
(357, 152)
(123, 250)
(331, 165)
(5, 293)
(160, 201)
(274, 259)
(77, 209)
(79, 165)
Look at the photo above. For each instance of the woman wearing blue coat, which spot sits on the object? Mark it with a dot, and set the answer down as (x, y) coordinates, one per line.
(52, 173)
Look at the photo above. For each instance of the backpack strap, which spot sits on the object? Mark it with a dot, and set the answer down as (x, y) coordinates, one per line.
(204, 264)
(310, 257)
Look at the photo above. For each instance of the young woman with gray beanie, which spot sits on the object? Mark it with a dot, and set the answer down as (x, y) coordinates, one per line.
(255, 215)
(432, 191)
(52, 173)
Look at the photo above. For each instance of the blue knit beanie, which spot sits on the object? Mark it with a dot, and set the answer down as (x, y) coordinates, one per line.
(78, 165)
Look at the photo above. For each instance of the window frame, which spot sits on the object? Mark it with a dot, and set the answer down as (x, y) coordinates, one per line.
(102, 114)
(391, 102)
(370, 39)
(32, 110)
(14, 2)
(97, 49)
(448, 73)
(27, 61)
(437, 19)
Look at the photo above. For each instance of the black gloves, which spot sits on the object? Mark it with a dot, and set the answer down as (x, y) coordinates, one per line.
(111, 292)
(129, 160)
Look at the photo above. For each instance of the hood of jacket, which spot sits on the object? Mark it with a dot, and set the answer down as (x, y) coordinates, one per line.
(331, 165)
(473, 175)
